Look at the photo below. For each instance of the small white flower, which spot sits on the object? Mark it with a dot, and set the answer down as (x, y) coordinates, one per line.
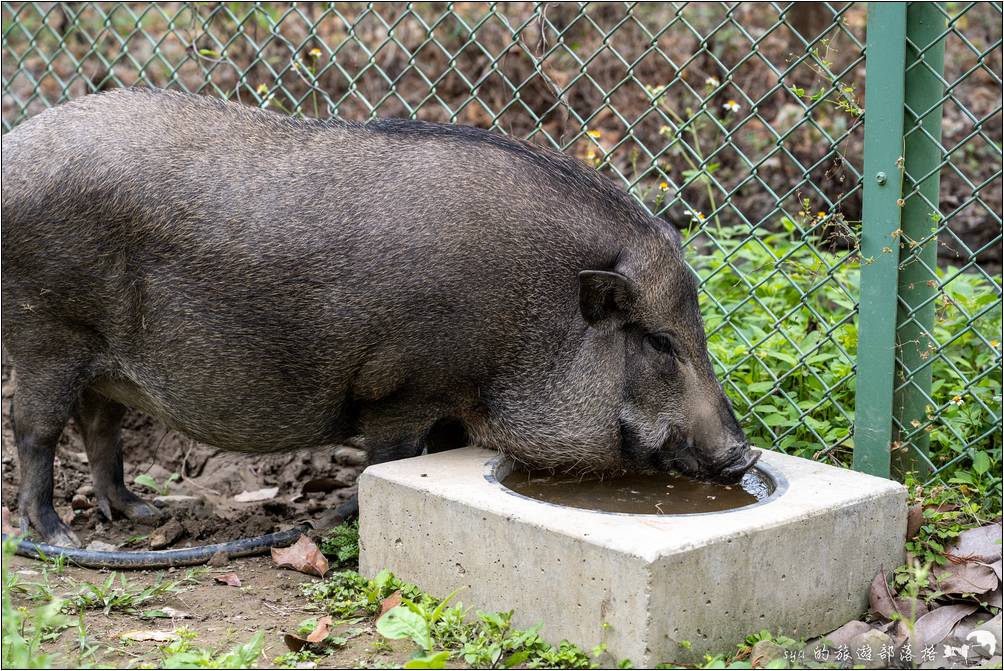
(732, 106)
(695, 217)
(957, 401)
(712, 82)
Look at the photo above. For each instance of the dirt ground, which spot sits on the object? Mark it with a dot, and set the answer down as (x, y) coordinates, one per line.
(268, 600)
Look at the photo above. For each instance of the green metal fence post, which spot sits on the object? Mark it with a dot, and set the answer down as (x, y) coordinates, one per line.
(925, 59)
(881, 216)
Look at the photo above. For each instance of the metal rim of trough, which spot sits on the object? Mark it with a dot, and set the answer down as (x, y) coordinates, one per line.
(774, 477)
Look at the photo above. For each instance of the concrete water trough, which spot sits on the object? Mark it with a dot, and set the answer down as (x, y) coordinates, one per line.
(798, 562)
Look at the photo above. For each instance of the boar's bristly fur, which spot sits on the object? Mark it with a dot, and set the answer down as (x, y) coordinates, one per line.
(263, 283)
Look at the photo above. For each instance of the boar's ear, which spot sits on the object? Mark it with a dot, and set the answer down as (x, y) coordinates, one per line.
(605, 295)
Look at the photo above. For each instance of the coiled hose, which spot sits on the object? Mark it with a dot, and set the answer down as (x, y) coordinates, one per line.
(243, 547)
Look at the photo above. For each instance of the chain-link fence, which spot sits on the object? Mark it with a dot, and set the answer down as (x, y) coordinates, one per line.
(740, 123)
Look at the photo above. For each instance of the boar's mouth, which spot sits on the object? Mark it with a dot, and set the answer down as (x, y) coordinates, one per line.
(682, 456)
(727, 473)
(734, 472)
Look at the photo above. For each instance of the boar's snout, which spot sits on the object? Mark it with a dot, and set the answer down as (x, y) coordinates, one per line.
(734, 470)
(728, 470)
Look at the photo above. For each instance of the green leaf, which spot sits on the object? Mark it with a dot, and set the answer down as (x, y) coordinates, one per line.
(243, 656)
(760, 387)
(436, 661)
(981, 462)
(145, 480)
(402, 622)
(515, 659)
(438, 612)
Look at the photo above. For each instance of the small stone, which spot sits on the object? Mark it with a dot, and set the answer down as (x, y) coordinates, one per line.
(166, 534)
(178, 501)
(350, 456)
(80, 502)
(101, 546)
(765, 652)
(219, 559)
(872, 642)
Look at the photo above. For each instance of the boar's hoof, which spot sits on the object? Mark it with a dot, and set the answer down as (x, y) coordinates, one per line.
(128, 505)
(47, 523)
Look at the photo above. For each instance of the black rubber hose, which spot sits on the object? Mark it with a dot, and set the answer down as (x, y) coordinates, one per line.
(244, 547)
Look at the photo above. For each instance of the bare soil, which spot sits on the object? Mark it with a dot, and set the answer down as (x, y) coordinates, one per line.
(269, 600)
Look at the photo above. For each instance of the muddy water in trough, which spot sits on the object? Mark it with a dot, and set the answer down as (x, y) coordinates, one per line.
(645, 494)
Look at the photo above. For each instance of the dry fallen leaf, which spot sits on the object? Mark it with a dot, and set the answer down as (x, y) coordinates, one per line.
(388, 603)
(846, 633)
(167, 611)
(880, 598)
(968, 577)
(327, 484)
(175, 613)
(936, 625)
(321, 631)
(882, 601)
(156, 636)
(914, 520)
(228, 579)
(294, 642)
(101, 546)
(979, 544)
(302, 556)
(257, 495)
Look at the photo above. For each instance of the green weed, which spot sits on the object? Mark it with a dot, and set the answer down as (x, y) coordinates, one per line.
(159, 488)
(342, 543)
(185, 654)
(24, 631)
(442, 632)
(123, 596)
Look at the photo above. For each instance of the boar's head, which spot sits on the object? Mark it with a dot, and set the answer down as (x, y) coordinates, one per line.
(673, 412)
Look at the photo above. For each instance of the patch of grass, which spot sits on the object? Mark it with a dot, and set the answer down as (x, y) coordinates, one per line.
(442, 632)
(291, 660)
(185, 654)
(124, 596)
(342, 543)
(24, 631)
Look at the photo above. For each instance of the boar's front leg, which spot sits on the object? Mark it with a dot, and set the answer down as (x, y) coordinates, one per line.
(100, 421)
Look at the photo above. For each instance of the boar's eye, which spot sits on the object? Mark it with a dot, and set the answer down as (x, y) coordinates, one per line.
(661, 343)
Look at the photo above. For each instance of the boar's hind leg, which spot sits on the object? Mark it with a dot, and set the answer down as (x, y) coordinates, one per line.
(100, 421)
(39, 411)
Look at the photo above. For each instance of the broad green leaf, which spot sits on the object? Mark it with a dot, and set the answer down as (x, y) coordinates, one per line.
(401, 622)
(434, 661)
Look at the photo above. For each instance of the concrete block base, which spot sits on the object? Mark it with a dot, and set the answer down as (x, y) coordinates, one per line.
(797, 563)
